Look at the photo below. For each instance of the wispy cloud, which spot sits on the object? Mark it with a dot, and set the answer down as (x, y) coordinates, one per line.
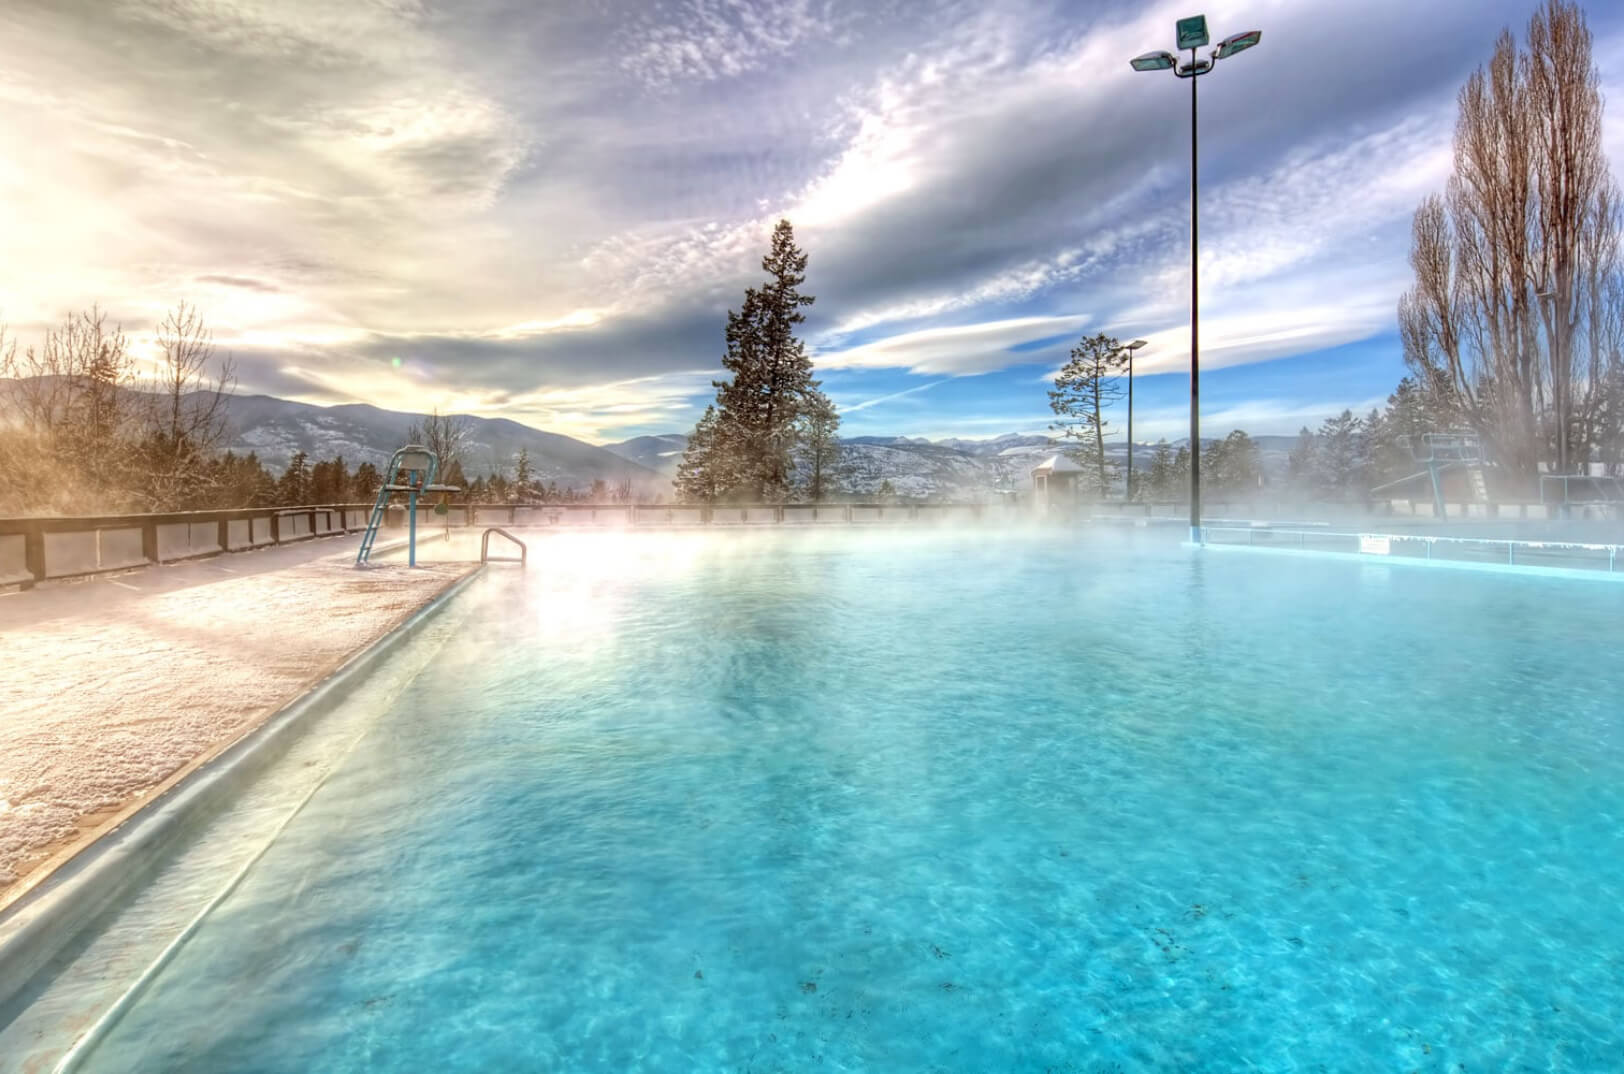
(959, 350)
(546, 210)
(853, 408)
(707, 40)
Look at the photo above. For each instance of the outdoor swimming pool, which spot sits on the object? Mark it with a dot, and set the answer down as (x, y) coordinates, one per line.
(948, 802)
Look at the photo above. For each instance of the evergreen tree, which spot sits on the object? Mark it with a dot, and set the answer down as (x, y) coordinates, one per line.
(1411, 414)
(1302, 464)
(523, 474)
(241, 481)
(820, 446)
(1084, 387)
(700, 477)
(264, 483)
(294, 488)
(758, 408)
(1159, 485)
(1387, 456)
(329, 481)
(1340, 469)
(1232, 465)
(1179, 475)
(365, 484)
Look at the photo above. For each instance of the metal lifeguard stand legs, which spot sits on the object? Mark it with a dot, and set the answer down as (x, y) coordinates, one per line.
(411, 470)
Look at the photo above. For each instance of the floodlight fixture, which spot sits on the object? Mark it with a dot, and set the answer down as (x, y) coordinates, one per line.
(1152, 61)
(1237, 43)
(1192, 32)
(1136, 344)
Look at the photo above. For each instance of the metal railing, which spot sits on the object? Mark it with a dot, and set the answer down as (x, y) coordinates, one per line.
(35, 549)
(485, 548)
(1487, 551)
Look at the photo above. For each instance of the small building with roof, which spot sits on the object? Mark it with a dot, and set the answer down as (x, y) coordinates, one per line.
(1055, 481)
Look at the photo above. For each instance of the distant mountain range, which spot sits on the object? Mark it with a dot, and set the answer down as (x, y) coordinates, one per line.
(952, 469)
(949, 469)
(276, 428)
(658, 453)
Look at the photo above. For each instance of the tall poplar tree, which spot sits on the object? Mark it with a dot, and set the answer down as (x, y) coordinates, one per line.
(1515, 325)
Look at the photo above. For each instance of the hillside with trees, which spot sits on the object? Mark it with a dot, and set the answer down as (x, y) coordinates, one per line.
(87, 429)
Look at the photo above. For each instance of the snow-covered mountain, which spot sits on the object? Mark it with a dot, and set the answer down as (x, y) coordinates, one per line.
(659, 453)
(969, 470)
(276, 428)
(949, 469)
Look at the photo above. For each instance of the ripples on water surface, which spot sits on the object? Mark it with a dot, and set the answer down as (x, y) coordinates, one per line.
(779, 801)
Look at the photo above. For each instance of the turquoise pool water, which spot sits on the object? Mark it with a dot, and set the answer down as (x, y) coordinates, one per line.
(786, 802)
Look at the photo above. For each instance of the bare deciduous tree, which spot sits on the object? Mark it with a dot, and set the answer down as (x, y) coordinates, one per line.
(443, 434)
(1513, 324)
(186, 425)
(68, 412)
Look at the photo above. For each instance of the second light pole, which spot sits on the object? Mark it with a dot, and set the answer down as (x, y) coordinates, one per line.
(1192, 34)
(1130, 348)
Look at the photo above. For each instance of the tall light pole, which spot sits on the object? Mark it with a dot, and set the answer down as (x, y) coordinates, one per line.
(1130, 348)
(1558, 383)
(1192, 34)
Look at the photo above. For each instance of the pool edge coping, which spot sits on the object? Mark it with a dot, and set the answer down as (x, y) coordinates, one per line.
(1528, 570)
(45, 919)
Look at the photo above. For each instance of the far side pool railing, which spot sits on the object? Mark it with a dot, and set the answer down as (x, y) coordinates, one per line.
(37, 549)
(1481, 551)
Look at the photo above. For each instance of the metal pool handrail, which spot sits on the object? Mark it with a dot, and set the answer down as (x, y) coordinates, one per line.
(1509, 544)
(485, 548)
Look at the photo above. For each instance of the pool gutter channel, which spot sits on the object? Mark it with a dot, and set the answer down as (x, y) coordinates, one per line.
(38, 927)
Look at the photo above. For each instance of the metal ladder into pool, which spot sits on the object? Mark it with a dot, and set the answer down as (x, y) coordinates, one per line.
(485, 548)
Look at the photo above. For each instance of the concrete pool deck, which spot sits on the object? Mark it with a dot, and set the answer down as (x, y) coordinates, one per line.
(117, 687)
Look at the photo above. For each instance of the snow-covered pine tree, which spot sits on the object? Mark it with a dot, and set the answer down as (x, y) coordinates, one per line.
(699, 474)
(1083, 388)
(758, 408)
(820, 446)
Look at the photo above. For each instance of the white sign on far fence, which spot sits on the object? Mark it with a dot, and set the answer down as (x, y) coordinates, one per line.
(1375, 546)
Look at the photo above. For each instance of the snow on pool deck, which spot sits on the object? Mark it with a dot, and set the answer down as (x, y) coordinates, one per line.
(115, 686)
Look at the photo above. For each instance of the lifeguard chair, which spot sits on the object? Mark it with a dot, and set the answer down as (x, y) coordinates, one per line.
(1441, 453)
(411, 470)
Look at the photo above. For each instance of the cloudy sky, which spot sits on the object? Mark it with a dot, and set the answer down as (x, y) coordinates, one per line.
(543, 210)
